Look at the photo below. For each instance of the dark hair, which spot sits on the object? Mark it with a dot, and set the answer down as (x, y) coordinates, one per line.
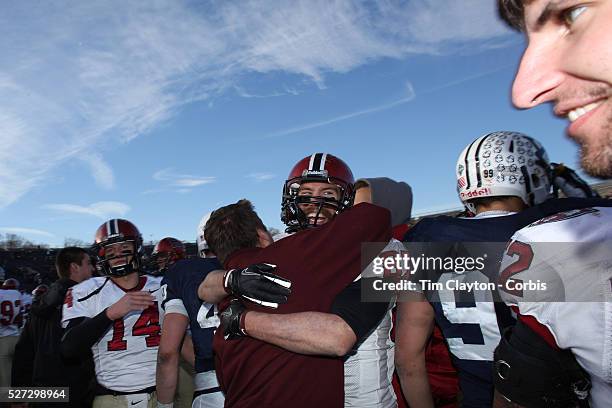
(67, 256)
(512, 12)
(231, 228)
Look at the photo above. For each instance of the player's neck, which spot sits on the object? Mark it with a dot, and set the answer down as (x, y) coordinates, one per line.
(126, 282)
(510, 204)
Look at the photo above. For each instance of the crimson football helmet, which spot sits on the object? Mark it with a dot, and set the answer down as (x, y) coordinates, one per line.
(117, 231)
(322, 168)
(11, 283)
(39, 291)
(167, 252)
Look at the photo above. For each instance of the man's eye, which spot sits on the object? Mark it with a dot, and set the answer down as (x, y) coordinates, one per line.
(570, 15)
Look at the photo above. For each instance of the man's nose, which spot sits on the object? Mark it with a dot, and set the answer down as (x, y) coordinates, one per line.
(538, 75)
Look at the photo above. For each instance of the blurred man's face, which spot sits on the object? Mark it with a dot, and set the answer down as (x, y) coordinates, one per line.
(162, 260)
(568, 62)
(85, 269)
(327, 212)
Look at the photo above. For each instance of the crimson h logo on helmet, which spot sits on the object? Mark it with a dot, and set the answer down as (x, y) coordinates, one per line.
(318, 188)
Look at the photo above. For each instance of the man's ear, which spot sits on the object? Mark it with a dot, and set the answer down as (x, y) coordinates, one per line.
(265, 238)
(74, 268)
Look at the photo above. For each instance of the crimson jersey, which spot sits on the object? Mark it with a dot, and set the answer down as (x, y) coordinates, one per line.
(126, 356)
(320, 263)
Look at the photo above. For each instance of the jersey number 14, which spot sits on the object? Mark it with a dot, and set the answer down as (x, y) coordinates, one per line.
(146, 325)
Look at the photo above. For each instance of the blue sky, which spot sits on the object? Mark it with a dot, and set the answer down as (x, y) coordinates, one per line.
(161, 111)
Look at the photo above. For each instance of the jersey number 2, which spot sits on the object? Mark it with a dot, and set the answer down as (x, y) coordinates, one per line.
(146, 325)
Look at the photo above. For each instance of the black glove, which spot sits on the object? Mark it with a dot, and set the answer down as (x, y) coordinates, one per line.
(570, 183)
(257, 284)
(232, 320)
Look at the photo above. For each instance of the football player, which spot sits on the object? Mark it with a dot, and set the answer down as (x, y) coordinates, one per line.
(567, 63)
(166, 252)
(115, 316)
(11, 317)
(182, 310)
(320, 262)
(320, 187)
(499, 176)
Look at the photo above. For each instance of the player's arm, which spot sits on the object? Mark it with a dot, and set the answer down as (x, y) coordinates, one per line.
(255, 283)
(187, 351)
(83, 332)
(211, 289)
(172, 334)
(333, 334)
(414, 322)
(305, 333)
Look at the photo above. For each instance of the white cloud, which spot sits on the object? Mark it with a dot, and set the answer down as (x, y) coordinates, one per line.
(259, 177)
(25, 231)
(101, 209)
(73, 78)
(410, 95)
(183, 182)
(100, 170)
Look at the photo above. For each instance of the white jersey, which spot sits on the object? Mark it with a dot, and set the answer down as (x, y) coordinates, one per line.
(368, 371)
(11, 312)
(26, 301)
(577, 269)
(126, 355)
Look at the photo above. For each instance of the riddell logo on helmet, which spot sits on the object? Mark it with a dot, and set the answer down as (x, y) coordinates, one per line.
(318, 173)
(476, 193)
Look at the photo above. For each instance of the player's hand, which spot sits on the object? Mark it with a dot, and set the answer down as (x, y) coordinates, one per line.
(232, 320)
(570, 183)
(257, 284)
(130, 301)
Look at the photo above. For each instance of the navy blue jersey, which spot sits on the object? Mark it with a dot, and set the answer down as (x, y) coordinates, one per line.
(472, 326)
(180, 286)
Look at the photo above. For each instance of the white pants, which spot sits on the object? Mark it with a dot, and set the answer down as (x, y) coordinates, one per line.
(208, 381)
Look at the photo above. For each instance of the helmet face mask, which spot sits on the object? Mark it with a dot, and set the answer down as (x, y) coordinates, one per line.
(504, 164)
(320, 205)
(118, 246)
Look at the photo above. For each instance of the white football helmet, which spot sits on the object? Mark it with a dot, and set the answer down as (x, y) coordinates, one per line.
(203, 249)
(504, 164)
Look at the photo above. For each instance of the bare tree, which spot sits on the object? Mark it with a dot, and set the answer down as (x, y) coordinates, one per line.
(75, 242)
